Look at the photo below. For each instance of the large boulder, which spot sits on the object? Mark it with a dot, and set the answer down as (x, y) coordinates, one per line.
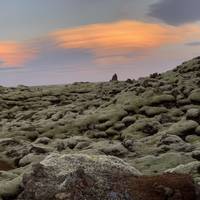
(76, 176)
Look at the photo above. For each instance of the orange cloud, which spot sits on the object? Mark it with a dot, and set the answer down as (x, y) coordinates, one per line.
(14, 54)
(107, 40)
(118, 42)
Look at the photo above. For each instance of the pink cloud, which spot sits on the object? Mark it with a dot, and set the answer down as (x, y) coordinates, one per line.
(14, 54)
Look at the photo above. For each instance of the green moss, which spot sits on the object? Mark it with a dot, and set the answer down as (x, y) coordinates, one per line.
(170, 76)
(113, 113)
(197, 130)
(152, 111)
(191, 168)
(183, 127)
(112, 132)
(104, 126)
(140, 128)
(10, 188)
(130, 102)
(159, 99)
(119, 126)
(134, 135)
(152, 164)
(195, 96)
(192, 139)
(49, 134)
(129, 120)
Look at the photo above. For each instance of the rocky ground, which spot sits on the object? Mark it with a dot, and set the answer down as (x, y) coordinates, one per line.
(152, 123)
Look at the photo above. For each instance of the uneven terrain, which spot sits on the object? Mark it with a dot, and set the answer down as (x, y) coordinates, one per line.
(152, 123)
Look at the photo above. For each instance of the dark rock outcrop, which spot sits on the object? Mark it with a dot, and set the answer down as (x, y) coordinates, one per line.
(114, 77)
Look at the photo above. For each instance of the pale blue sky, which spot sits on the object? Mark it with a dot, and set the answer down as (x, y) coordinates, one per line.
(24, 19)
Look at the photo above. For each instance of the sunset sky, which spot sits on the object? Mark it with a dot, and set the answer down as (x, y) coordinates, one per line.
(63, 41)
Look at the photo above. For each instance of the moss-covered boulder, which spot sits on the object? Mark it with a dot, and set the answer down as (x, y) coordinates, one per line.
(130, 102)
(10, 188)
(195, 96)
(161, 99)
(141, 128)
(191, 168)
(157, 164)
(193, 114)
(183, 128)
(151, 111)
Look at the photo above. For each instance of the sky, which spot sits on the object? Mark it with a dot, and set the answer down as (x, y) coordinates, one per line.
(64, 41)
